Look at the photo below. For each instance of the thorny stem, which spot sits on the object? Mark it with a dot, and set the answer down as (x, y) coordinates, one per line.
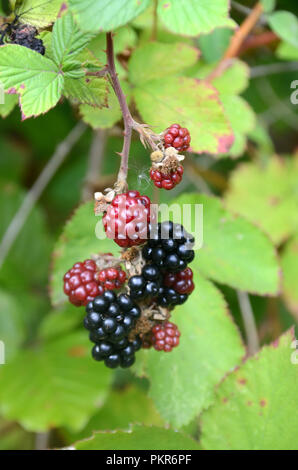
(237, 40)
(129, 123)
(146, 135)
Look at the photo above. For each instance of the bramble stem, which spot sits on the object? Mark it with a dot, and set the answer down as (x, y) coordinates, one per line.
(129, 123)
(237, 40)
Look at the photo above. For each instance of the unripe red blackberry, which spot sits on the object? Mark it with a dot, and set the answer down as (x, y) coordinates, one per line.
(177, 137)
(80, 283)
(161, 180)
(181, 282)
(111, 278)
(127, 218)
(163, 337)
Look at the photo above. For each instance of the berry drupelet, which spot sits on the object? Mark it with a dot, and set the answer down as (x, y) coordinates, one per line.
(80, 283)
(127, 218)
(166, 181)
(110, 319)
(169, 247)
(177, 137)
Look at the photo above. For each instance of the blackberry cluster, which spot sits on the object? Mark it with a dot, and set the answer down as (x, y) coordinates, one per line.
(163, 337)
(165, 278)
(182, 282)
(110, 319)
(127, 218)
(177, 137)
(25, 35)
(147, 284)
(169, 247)
(80, 283)
(166, 181)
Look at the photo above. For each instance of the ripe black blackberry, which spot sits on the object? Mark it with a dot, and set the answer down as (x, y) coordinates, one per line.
(169, 247)
(109, 319)
(117, 354)
(147, 284)
(169, 297)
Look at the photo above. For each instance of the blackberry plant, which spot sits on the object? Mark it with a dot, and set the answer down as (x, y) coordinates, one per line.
(126, 284)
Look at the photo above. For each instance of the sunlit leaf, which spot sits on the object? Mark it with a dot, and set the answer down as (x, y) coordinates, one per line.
(254, 404)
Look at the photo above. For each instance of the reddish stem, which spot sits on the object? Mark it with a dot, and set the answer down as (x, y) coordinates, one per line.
(127, 117)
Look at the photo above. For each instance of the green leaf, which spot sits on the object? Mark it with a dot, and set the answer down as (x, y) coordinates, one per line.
(91, 91)
(242, 119)
(191, 18)
(267, 196)
(192, 103)
(260, 135)
(289, 264)
(105, 15)
(106, 117)
(61, 322)
(12, 331)
(33, 238)
(182, 383)
(60, 386)
(39, 13)
(139, 438)
(10, 101)
(12, 163)
(214, 44)
(254, 404)
(233, 80)
(286, 51)
(229, 246)
(230, 83)
(77, 243)
(34, 77)
(268, 5)
(144, 65)
(122, 408)
(123, 38)
(68, 40)
(285, 25)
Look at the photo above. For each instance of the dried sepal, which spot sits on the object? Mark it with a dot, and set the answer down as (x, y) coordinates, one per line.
(167, 161)
(106, 260)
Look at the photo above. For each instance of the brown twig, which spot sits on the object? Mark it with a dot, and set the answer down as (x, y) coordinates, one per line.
(237, 40)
